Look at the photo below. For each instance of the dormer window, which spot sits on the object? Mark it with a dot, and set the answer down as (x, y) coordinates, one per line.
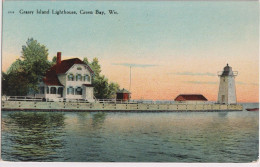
(79, 68)
(87, 77)
(78, 77)
(70, 77)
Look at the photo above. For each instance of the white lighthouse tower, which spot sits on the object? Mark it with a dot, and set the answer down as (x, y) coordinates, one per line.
(227, 87)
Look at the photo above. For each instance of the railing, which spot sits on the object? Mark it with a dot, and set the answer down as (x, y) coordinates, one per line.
(20, 98)
(234, 73)
(141, 101)
(30, 98)
(153, 101)
(170, 102)
(67, 100)
(105, 100)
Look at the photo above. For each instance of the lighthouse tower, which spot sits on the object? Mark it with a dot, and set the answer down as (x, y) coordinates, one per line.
(227, 87)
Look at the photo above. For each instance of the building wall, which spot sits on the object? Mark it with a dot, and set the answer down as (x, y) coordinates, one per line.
(231, 91)
(123, 96)
(227, 90)
(126, 96)
(193, 102)
(90, 94)
(223, 90)
(63, 78)
(74, 70)
(190, 98)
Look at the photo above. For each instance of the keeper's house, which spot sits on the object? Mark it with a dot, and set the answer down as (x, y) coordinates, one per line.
(67, 79)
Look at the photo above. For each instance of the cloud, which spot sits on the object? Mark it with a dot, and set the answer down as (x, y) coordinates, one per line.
(200, 82)
(243, 83)
(240, 83)
(194, 74)
(256, 84)
(134, 65)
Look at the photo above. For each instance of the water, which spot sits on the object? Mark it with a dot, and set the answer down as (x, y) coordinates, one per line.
(130, 137)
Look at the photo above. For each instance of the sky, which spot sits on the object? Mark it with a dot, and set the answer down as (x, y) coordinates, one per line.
(173, 47)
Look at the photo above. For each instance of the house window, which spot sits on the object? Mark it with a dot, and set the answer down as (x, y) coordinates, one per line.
(47, 90)
(87, 78)
(71, 77)
(53, 90)
(79, 68)
(70, 90)
(78, 91)
(79, 77)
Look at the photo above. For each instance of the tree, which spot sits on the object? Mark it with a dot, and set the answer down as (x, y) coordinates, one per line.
(94, 65)
(20, 88)
(16, 66)
(54, 60)
(4, 83)
(85, 60)
(112, 89)
(24, 74)
(102, 88)
(35, 61)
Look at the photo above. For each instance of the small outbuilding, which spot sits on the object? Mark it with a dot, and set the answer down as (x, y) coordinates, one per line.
(123, 95)
(190, 97)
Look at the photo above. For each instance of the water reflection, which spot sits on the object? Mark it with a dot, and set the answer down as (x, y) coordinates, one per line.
(130, 137)
(82, 116)
(35, 136)
(222, 114)
(98, 119)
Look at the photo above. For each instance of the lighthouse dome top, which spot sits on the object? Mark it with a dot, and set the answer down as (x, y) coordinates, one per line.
(228, 71)
(227, 68)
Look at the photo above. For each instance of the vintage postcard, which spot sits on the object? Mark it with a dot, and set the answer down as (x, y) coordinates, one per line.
(130, 81)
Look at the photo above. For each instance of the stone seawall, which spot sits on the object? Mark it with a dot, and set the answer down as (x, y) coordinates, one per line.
(74, 106)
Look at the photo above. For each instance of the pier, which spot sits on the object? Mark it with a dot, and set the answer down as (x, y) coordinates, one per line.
(115, 106)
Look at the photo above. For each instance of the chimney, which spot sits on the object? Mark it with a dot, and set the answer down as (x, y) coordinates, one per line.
(58, 61)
